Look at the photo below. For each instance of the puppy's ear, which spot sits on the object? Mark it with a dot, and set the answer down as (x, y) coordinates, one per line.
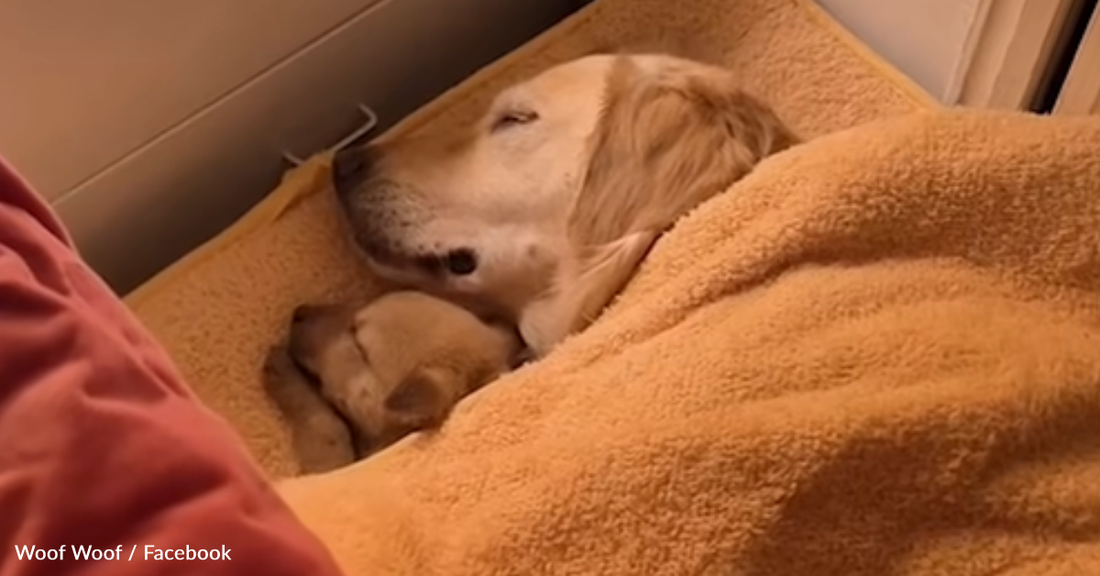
(667, 141)
(421, 400)
(579, 298)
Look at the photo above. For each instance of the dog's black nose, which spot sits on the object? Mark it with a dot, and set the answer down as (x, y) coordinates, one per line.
(461, 262)
(351, 167)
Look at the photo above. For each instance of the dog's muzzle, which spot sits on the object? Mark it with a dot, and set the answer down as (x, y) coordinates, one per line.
(367, 203)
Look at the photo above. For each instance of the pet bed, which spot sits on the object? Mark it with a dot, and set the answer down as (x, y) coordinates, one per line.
(879, 353)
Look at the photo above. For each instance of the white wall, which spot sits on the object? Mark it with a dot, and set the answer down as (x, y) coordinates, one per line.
(925, 39)
(151, 125)
(87, 82)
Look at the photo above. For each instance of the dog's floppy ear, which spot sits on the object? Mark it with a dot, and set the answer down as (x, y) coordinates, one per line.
(421, 400)
(667, 141)
(580, 294)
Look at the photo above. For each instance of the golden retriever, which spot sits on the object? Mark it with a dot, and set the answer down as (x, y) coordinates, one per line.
(540, 212)
(381, 371)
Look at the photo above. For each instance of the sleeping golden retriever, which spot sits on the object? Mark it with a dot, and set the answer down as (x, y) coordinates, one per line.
(540, 212)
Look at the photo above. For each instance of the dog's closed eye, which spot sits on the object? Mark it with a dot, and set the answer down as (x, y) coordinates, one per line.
(513, 117)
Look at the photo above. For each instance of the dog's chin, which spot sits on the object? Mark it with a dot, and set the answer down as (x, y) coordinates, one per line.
(401, 267)
(402, 271)
(410, 275)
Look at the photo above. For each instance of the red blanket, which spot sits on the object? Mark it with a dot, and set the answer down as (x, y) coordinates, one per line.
(109, 465)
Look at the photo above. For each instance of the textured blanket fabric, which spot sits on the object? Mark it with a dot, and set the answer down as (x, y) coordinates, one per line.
(878, 354)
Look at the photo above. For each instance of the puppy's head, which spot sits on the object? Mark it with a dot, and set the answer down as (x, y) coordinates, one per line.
(572, 160)
(398, 364)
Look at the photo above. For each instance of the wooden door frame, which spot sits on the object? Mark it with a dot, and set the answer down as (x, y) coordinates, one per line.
(1080, 92)
(1010, 51)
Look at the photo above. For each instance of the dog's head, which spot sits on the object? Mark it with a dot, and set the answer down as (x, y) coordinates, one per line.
(399, 364)
(571, 162)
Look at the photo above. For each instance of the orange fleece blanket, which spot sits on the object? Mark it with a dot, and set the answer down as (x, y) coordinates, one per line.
(878, 354)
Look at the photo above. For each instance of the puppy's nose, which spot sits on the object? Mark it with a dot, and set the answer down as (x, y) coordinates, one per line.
(351, 167)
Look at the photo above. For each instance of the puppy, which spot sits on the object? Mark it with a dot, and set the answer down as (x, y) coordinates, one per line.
(541, 211)
(320, 438)
(392, 367)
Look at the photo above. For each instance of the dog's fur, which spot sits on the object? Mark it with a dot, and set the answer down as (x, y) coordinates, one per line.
(541, 212)
(395, 366)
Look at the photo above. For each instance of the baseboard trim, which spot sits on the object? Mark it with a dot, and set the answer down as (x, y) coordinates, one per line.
(1017, 42)
(1079, 93)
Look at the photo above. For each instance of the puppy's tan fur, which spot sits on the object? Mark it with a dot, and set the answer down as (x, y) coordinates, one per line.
(395, 366)
(320, 438)
(560, 190)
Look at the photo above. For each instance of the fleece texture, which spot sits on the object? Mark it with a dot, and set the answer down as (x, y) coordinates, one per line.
(879, 353)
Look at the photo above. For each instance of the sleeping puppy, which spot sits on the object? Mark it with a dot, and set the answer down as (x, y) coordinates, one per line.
(395, 366)
(541, 211)
(319, 436)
